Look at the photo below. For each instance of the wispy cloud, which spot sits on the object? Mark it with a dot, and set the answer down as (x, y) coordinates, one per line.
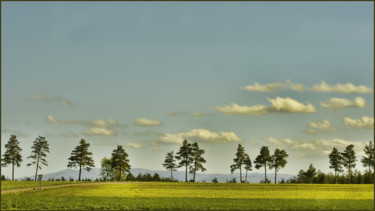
(188, 114)
(60, 100)
(342, 88)
(146, 122)
(278, 105)
(341, 103)
(272, 87)
(96, 127)
(134, 145)
(323, 126)
(199, 135)
(18, 133)
(364, 122)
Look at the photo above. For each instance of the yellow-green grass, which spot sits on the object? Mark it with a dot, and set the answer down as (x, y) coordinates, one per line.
(196, 196)
(9, 185)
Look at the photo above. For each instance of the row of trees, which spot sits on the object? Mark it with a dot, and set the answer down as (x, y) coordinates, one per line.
(189, 156)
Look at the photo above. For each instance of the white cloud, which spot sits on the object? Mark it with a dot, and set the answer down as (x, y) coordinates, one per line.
(199, 135)
(279, 105)
(146, 122)
(320, 127)
(341, 103)
(243, 110)
(52, 119)
(61, 100)
(272, 140)
(289, 105)
(100, 131)
(364, 122)
(342, 88)
(134, 145)
(265, 88)
(295, 86)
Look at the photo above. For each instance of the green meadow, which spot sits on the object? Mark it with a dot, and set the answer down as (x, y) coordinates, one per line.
(194, 196)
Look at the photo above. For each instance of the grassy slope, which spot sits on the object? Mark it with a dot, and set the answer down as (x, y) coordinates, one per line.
(200, 196)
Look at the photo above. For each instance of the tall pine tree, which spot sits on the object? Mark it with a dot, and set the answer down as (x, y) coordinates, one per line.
(368, 158)
(38, 154)
(120, 161)
(248, 165)
(278, 160)
(263, 160)
(185, 155)
(81, 157)
(335, 159)
(198, 160)
(239, 160)
(12, 154)
(349, 159)
(169, 163)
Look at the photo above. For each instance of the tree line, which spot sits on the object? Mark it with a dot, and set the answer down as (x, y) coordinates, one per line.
(190, 156)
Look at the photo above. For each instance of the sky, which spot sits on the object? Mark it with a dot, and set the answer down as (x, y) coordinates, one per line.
(146, 75)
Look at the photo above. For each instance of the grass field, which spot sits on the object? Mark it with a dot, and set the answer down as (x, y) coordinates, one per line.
(9, 185)
(195, 196)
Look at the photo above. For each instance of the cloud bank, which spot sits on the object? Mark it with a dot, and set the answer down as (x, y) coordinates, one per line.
(364, 122)
(336, 104)
(323, 126)
(146, 122)
(272, 87)
(342, 88)
(278, 105)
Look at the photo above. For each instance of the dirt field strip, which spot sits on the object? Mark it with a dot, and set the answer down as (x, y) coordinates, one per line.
(60, 186)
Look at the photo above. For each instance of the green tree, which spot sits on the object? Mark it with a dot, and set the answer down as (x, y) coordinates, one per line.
(349, 159)
(368, 158)
(39, 153)
(310, 173)
(12, 154)
(278, 160)
(120, 161)
(248, 165)
(335, 159)
(239, 160)
(107, 172)
(169, 163)
(81, 157)
(263, 160)
(185, 155)
(197, 160)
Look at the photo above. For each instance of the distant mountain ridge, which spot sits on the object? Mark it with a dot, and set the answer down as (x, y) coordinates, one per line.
(179, 175)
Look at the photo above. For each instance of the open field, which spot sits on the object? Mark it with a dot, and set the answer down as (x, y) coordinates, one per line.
(9, 185)
(195, 196)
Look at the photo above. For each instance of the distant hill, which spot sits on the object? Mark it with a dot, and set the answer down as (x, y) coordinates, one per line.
(179, 175)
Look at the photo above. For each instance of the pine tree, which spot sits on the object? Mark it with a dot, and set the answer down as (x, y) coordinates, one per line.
(169, 163)
(120, 161)
(248, 165)
(278, 160)
(81, 157)
(106, 169)
(368, 158)
(185, 155)
(310, 173)
(263, 160)
(349, 159)
(12, 154)
(239, 160)
(335, 159)
(38, 154)
(197, 160)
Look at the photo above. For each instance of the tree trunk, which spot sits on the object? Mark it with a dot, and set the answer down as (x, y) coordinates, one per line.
(37, 165)
(349, 174)
(119, 179)
(171, 173)
(246, 177)
(275, 174)
(186, 172)
(79, 176)
(265, 173)
(194, 176)
(335, 177)
(240, 174)
(13, 171)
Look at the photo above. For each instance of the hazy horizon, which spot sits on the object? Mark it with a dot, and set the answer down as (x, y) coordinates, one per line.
(293, 75)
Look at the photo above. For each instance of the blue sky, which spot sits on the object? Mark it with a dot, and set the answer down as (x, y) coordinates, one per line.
(148, 74)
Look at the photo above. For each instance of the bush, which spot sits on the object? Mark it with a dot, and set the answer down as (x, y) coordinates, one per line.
(215, 180)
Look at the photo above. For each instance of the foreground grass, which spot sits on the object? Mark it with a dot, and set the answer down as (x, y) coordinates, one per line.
(9, 185)
(201, 196)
